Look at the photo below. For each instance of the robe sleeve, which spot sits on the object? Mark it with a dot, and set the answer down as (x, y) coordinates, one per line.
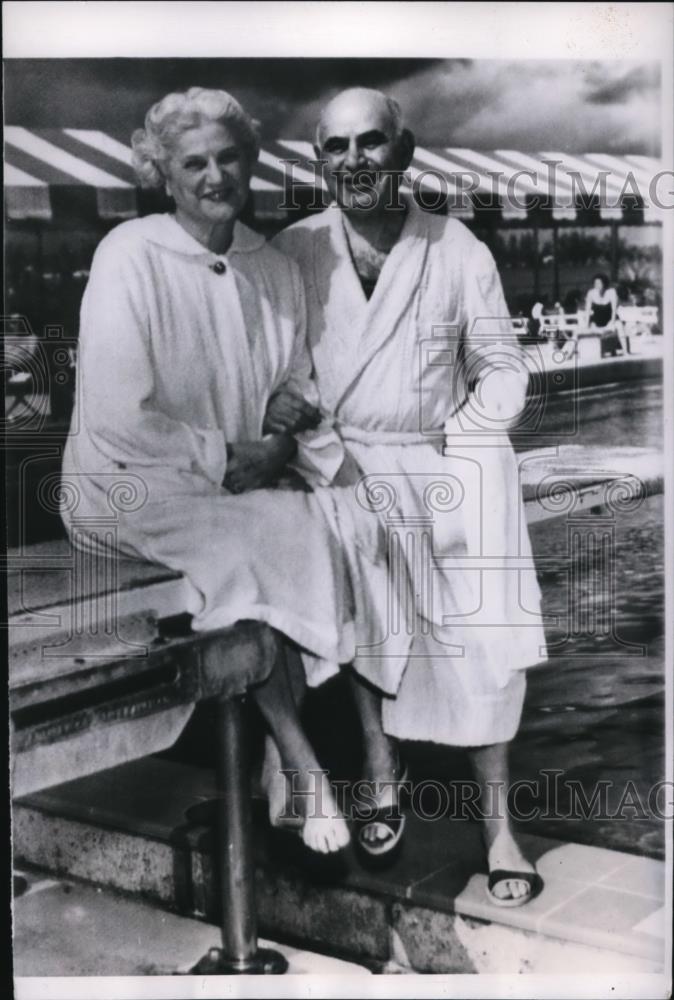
(495, 363)
(117, 379)
(320, 452)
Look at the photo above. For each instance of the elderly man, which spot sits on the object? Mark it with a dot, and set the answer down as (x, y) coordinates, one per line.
(415, 362)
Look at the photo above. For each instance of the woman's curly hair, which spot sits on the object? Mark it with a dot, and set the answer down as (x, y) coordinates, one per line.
(175, 114)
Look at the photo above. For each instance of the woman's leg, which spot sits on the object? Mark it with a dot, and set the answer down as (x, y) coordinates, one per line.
(490, 764)
(323, 829)
(274, 782)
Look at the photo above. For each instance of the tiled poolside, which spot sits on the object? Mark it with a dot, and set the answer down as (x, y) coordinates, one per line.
(122, 830)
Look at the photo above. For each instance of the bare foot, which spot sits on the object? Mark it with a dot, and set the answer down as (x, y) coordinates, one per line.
(325, 828)
(505, 853)
(311, 811)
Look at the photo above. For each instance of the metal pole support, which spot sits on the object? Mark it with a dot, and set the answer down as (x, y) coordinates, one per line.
(239, 953)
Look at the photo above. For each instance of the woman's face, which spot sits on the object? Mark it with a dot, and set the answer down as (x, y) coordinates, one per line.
(208, 174)
(598, 285)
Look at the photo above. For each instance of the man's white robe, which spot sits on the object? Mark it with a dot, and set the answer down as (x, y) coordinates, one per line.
(398, 374)
(175, 361)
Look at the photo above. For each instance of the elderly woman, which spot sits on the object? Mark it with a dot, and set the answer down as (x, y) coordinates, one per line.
(192, 335)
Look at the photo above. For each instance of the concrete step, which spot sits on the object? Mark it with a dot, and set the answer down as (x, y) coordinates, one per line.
(65, 928)
(145, 829)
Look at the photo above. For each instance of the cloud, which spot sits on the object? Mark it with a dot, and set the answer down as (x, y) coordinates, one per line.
(537, 105)
(571, 105)
(618, 86)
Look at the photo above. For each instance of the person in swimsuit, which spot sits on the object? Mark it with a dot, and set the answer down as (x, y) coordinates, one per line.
(601, 305)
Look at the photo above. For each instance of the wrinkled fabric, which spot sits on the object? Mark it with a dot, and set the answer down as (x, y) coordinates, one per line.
(175, 361)
(430, 360)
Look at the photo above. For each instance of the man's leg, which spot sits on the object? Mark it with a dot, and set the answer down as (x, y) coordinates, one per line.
(323, 829)
(490, 764)
(380, 753)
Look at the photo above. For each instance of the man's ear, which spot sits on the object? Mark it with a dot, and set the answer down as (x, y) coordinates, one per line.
(407, 147)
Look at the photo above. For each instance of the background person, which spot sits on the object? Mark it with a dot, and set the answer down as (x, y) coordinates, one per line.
(601, 306)
(601, 303)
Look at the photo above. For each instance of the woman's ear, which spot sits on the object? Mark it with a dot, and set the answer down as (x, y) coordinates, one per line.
(162, 174)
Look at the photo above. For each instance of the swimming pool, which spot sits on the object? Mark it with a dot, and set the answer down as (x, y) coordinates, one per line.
(596, 710)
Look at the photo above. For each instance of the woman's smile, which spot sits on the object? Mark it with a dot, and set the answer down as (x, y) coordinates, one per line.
(208, 176)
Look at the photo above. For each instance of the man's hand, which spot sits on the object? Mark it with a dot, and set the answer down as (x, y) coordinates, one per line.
(289, 413)
(252, 465)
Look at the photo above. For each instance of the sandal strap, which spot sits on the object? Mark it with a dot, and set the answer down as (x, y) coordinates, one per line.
(394, 829)
(533, 879)
(382, 817)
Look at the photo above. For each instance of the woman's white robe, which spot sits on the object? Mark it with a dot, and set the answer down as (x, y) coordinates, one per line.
(389, 371)
(175, 361)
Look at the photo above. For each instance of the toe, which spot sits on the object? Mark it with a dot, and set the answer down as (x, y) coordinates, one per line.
(344, 836)
(501, 890)
(311, 839)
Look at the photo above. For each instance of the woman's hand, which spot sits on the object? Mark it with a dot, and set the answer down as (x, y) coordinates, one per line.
(289, 413)
(252, 465)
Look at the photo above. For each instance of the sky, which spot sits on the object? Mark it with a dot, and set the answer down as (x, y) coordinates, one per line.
(571, 106)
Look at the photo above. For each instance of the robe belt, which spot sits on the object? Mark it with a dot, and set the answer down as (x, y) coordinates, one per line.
(361, 435)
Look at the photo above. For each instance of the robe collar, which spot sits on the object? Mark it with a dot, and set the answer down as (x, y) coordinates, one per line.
(165, 231)
(363, 326)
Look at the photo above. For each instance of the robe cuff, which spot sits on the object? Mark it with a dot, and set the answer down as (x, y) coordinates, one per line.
(319, 457)
(211, 459)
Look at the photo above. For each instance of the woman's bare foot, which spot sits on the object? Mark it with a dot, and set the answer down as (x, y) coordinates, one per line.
(325, 828)
(503, 852)
(304, 804)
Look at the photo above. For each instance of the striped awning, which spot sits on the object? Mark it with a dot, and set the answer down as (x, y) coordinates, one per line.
(514, 182)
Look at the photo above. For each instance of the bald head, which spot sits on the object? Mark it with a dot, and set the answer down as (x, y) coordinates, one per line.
(360, 103)
(364, 149)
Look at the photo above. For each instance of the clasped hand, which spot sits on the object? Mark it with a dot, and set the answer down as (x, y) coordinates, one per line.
(252, 465)
(287, 412)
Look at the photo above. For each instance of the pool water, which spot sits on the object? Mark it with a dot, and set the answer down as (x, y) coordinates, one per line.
(596, 709)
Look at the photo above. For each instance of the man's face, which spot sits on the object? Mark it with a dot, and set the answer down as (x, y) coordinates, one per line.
(362, 154)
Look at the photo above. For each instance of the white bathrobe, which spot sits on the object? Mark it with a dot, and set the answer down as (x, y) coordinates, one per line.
(175, 361)
(390, 372)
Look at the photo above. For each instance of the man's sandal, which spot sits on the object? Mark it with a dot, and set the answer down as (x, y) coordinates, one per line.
(392, 819)
(532, 879)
